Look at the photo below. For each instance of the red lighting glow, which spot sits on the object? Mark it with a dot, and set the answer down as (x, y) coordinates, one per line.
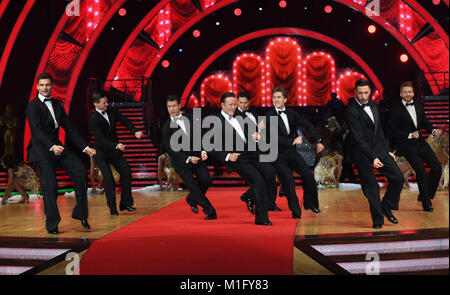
(237, 12)
(165, 63)
(372, 29)
(404, 57)
(328, 9)
(122, 12)
(196, 33)
(436, 2)
(283, 4)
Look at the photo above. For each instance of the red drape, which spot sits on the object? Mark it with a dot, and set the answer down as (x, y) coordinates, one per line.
(247, 76)
(193, 102)
(319, 71)
(213, 87)
(283, 68)
(346, 85)
(181, 11)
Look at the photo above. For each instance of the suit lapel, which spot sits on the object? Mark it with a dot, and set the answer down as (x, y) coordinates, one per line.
(418, 115)
(373, 108)
(408, 116)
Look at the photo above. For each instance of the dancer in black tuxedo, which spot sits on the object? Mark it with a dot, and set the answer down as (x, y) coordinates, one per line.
(241, 159)
(110, 151)
(407, 120)
(245, 111)
(188, 162)
(369, 147)
(45, 115)
(289, 159)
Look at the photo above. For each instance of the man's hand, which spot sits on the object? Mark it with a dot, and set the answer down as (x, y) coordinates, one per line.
(320, 147)
(57, 149)
(393, 156)
(121, 147)
(437, 132)
(204, 156)
(139, 134)
(256, 136)
(194, 160)
(298, 140)
(377, 163)
(261, 125)
(91, 152)
(415, 134)
(233, 157)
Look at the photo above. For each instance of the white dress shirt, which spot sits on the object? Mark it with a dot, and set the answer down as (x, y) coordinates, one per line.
(50, 108)
(285, 119)
(104, 115)
(412, 113)
(367, 110)
(236, 127)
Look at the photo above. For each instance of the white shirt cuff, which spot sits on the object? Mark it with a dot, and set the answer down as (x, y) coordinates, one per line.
(226, 159)
(85, 149)
(410, 136)
(188, 159)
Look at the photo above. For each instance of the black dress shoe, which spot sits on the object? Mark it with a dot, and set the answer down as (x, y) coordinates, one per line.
(211, 216)
(85, 223)
(275, 208)
(313, 209)
(377, 225)
(389, 215)
(128, 208)
(53, 231)
(194, 209)
(296, 216)
(282, 193)
(114, 213)
(264, 223)
(428, 209)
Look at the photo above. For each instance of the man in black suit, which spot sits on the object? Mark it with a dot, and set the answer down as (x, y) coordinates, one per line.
(289, 159)
(187, 161)
(45, 115)
(245, 111)
(237, 154)
(110, 151)
(407, 121)
(369, 147)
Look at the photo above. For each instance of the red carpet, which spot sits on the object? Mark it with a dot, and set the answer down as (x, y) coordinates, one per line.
(175, 241)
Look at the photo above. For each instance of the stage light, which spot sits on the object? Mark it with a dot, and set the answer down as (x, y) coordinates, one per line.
(237, 12)
(436, 2)
(371, 29)
(165, 63)
(217, 23)
(328, 9)
(260, 8)
(349, 20)
(385, 44)
(282, 4)
(196, 33)
(122, 12)
(180, 50)
(404, 57)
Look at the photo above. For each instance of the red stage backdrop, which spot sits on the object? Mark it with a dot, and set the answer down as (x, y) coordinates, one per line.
(212, 89)
(318, 78)
(247, 76)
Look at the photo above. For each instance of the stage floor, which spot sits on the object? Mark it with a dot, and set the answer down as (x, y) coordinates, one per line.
(344, 210)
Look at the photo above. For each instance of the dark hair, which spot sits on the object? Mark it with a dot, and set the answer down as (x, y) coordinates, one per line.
(407, 84)
(280, 89)
(362, 83)
(10, 161)
(44, 76)
(226, 95)
(97, 96)
(172, 97)
(244, 94)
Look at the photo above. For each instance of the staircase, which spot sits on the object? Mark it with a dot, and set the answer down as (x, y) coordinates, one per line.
(403, 252)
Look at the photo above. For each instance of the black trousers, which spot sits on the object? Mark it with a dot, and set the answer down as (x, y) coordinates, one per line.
(268, 172)
(416, 153)
(122, 167)
(370, 186)
(287, 162)
(197, 190)
(47, 174)
(247, 168)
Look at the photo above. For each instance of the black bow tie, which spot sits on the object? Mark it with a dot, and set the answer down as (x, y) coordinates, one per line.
(364, 105)
(409, 104)
(47, 99)
(281, 112)
(103, 113)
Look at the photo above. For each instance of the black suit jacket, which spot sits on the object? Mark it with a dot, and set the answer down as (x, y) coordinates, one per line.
(43, 132)
(167, 131)
(105, 135)
(237, 144)
(285, 139)
(402, 125)
(365, 135)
